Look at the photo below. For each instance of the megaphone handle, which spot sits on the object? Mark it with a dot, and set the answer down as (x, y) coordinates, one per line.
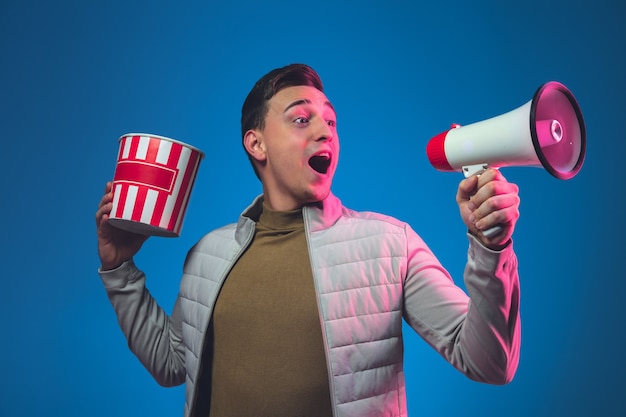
(478, 169)
(492, 231)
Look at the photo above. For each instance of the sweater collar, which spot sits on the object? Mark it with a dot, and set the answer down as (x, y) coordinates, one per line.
(317, 216)
(280, 220)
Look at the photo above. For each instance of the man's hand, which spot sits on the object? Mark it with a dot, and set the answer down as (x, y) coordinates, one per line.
(115, 246)
(489, 200)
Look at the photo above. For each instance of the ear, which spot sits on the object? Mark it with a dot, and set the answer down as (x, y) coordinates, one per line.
(254, 144)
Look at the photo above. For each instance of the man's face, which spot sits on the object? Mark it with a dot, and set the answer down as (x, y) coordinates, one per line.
(298, 148)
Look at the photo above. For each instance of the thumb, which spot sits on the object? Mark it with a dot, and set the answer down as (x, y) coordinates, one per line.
(467, 188)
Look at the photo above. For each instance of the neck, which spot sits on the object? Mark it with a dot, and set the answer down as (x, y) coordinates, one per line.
(280, 203)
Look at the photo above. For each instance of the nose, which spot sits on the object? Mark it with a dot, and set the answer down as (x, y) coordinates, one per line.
(325, 132)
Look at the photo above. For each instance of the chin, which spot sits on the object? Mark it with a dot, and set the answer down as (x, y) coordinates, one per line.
(319, 195)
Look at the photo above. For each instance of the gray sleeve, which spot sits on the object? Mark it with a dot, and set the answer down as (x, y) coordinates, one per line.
(153, 336)
(478, 334)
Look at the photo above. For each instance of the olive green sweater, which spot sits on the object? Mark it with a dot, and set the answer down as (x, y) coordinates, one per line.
(268, 352)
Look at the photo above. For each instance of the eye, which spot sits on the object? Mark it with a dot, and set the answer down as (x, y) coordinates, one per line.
(331, 123)
(301, 120)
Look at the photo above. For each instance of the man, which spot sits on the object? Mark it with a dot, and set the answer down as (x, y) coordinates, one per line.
(297, 309)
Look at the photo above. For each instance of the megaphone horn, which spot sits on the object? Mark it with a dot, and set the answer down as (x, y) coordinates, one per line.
(548, 131)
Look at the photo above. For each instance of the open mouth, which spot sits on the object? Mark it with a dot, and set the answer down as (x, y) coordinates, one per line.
(320, 162)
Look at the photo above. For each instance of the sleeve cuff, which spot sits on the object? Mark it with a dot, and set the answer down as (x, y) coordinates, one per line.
(489, 259)
(120, 276)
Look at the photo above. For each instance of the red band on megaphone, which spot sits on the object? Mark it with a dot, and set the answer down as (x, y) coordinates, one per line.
(436, 152)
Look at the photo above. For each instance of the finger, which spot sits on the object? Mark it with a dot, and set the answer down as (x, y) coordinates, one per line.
(491, 189)
(105, 200)
(467, 187)
(481, 190)
(499, 209)
(105, 205)
(103, 213)
(108, 195)
(491, 174)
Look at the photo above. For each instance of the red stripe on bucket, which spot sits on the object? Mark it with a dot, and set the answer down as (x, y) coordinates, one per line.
(144, 173)
(121, 191)
(181, 202)
(172, 161)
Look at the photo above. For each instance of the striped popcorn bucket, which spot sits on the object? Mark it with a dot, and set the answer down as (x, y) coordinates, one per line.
(153, 179)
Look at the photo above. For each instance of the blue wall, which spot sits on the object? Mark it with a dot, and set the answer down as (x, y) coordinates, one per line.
(76, 75)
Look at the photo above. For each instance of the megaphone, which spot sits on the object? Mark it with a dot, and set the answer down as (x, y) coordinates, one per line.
(548, 131)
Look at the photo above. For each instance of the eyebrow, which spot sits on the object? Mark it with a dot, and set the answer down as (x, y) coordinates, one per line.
(306, 101)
